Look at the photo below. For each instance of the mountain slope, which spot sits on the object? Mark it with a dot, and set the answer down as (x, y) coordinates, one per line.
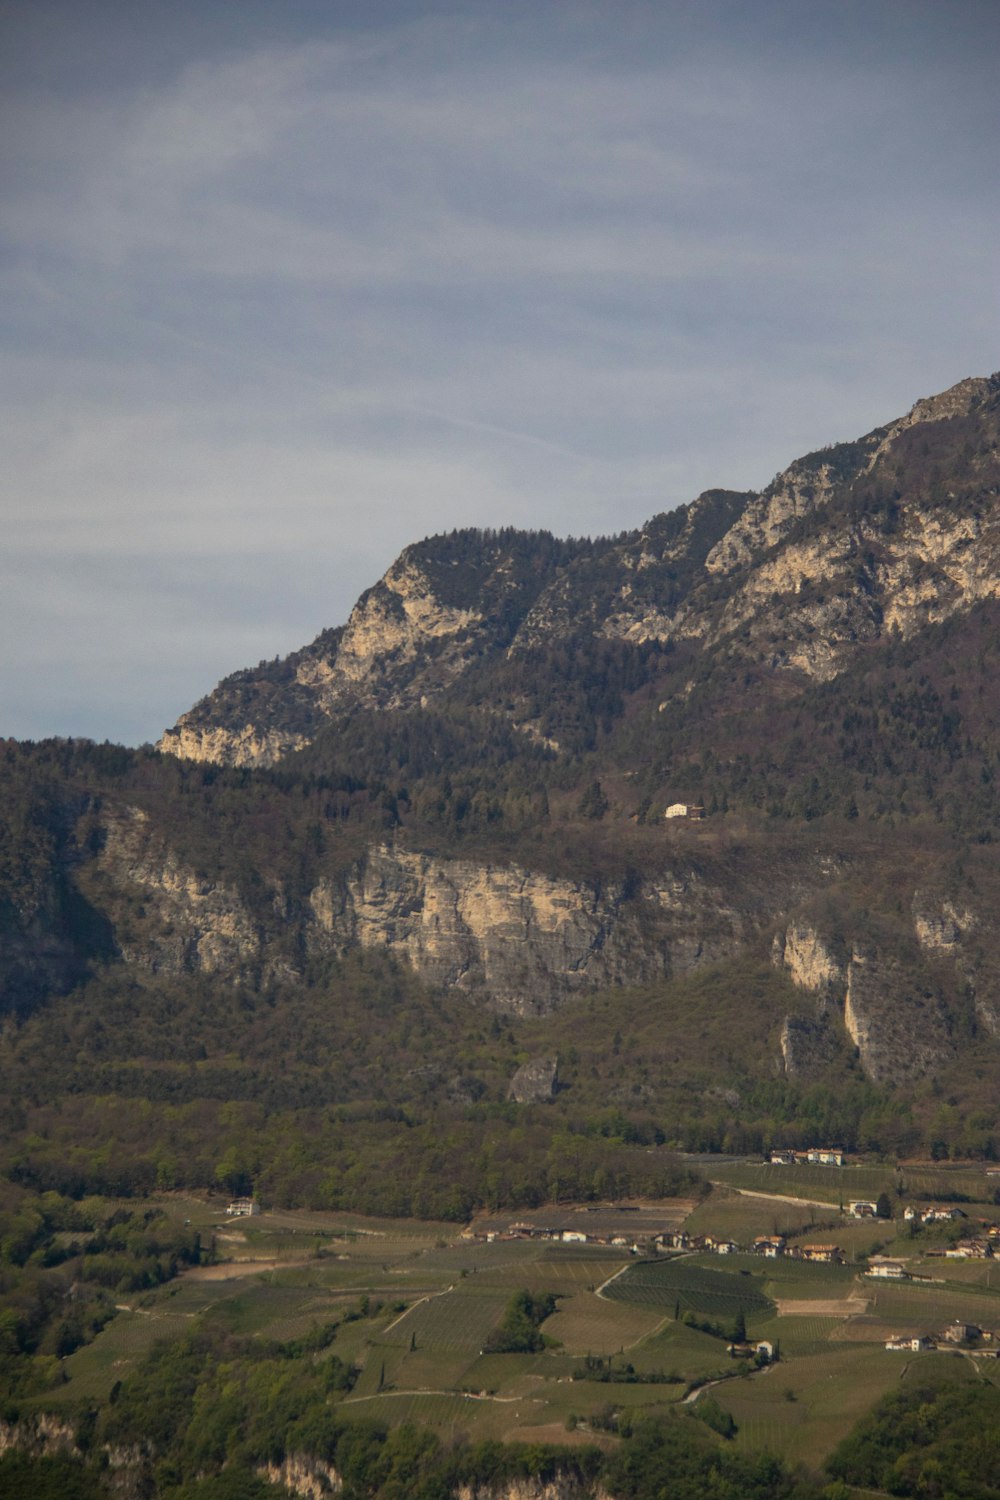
(435, 848)
(858, 543)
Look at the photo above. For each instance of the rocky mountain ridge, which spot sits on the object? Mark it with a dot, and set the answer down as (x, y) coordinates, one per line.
(845, 547)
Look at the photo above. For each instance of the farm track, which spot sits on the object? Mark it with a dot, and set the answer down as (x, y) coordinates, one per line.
(773, 1197)
(692, 1396)
(426, 1391)
(599, 1291)
(427, 1297)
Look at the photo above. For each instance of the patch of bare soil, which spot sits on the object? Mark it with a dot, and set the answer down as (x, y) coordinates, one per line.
(233, 1268)
(823, 1307)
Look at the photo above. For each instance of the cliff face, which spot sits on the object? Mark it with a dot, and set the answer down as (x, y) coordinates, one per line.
(522, 942)
(166, 918)
(881, 999)
(518, 940)
(440, 608)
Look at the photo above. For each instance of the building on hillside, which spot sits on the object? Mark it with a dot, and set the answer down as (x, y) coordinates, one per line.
(685, 810)
(962, 1333)
(863, 1208)
(762, 1351)
(825, 1156)
(824, 1254)
(243, 1208)
(784, 1159)
(769, 1245)
(678, 1239)
(885, 1269)
(972, 1249)
(912, 1344)
(720, 1246)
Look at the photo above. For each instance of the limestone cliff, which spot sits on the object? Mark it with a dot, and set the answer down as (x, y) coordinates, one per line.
(810, 1043)
(519, 940)
(441, 607)
(899, 1028)
(166, 918)
(811, 960)
(299, 1474)
(535, 1081)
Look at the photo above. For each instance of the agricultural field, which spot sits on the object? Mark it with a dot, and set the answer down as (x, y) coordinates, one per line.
(832, 1185)
(801, 1408)
(743, 1218)
(414, 1304)
(687, 1284)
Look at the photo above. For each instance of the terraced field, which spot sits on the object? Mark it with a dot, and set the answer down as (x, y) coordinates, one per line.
(833, 1185)
(459, 1320)
(682, 1285)
(801, 1409)
(588, 1324)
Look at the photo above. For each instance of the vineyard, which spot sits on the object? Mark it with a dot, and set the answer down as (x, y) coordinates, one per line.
(678, 1285)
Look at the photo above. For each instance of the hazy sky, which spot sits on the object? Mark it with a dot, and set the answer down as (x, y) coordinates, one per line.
(287, 284)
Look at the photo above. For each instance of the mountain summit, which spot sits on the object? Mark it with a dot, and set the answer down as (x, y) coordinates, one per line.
(851, 545)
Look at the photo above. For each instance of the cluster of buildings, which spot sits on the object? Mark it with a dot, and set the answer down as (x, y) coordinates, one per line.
(975, 1246)
(931, 1215)
(761, 1350)
(770, 1246)
(969, 1336)
(817, 1156)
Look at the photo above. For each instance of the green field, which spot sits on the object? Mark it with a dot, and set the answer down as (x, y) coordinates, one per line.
(833, 1185)
(800, 1409)
(680, 1284)
(421, 1301)
(742, 1218)
(459, 1320)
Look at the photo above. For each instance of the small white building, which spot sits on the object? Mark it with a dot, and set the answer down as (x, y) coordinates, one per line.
(243, 1208)
(884, 1269)
(720, 1247)
(825, 1156)
(684, 810)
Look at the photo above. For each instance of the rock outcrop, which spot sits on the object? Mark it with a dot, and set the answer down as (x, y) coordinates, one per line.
(900, 1030)
(535, 1081)
(183, 923)
(299, 1474)
(519, 940)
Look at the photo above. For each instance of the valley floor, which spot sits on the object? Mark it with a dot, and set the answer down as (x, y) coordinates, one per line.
(633, 1333)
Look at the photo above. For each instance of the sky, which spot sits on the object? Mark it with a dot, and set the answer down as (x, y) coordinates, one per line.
(285, 286)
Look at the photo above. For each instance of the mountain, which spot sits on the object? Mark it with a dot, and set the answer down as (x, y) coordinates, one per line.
(363, 886)
(850, 546)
